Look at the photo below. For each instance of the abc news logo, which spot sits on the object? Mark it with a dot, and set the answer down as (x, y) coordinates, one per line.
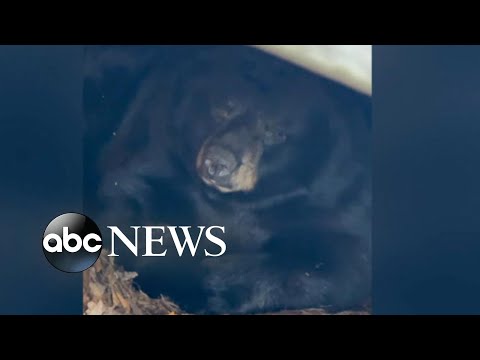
(72, 242)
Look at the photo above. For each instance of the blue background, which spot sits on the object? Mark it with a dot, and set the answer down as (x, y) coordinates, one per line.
(40, 172)
(426, 177)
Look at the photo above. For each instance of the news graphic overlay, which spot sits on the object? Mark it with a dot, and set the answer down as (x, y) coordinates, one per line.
(72, 242)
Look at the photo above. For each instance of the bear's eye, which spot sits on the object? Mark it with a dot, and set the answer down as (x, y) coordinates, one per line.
(274, 136)
(232, 104)
(229, 109)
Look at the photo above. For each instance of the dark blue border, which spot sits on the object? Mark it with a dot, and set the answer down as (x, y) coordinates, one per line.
(41, 172)
(426, 187)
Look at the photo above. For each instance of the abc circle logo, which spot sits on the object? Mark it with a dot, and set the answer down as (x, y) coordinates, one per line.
(72, 242)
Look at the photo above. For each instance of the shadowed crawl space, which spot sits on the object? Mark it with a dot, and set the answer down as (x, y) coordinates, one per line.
(230, 136)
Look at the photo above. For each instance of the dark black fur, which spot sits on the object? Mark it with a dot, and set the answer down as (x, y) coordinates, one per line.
(300, 239)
